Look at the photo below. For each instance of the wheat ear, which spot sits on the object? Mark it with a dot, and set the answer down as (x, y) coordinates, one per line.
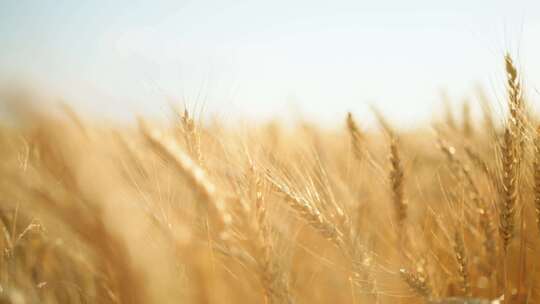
(396, 181)
(510, 196)
(462, 263)
(417, 282)
(467, 125)
(356, 137)
(195, 176)
(308, 212)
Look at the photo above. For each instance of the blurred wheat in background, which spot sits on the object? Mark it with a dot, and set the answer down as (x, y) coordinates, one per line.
(192, 212)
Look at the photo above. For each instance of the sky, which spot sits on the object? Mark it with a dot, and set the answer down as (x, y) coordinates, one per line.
(262, 59)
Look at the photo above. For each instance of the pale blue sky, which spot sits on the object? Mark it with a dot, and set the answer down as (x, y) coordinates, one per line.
(262, 58)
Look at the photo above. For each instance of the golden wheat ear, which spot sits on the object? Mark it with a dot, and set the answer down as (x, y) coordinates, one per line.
(356, 137)
(512, 153)
(462, 263)
(307, 211)
(194, 174)
(396, 182)
(510, 194)
(516, 122)
(417, 282)
(467, 124)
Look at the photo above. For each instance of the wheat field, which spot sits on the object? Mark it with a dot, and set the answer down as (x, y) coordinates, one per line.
(183, 211)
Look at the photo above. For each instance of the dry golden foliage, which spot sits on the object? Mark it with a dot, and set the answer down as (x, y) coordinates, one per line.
(117, 214)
